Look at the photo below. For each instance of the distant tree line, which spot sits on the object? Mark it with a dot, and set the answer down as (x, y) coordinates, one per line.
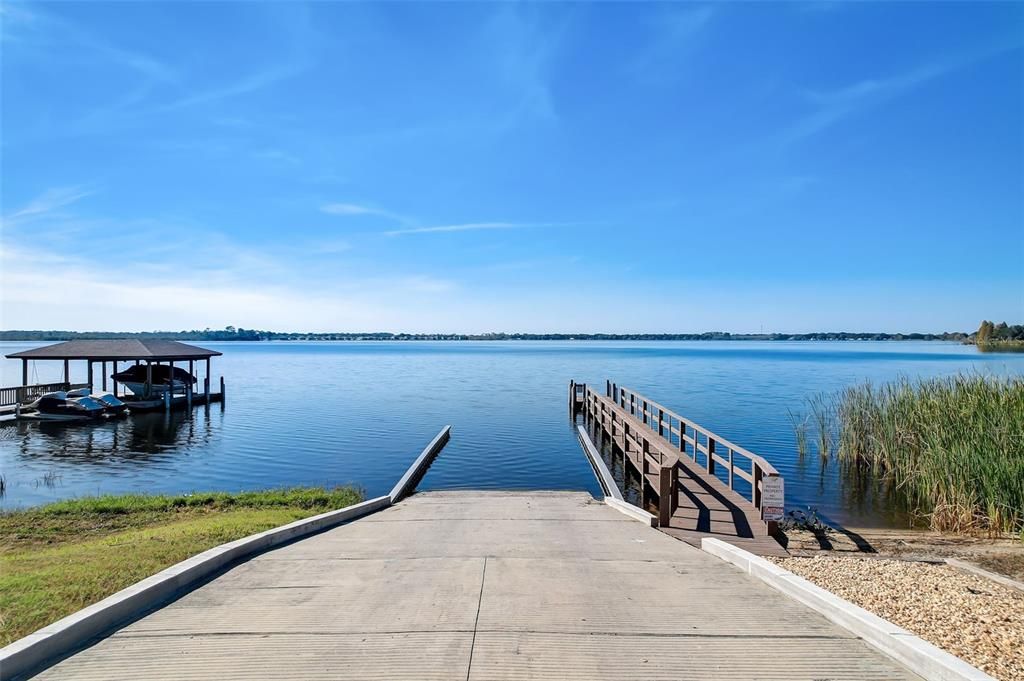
(999, 334)
(232, 333)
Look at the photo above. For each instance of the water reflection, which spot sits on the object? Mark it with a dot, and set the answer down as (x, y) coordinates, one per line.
(137, 437)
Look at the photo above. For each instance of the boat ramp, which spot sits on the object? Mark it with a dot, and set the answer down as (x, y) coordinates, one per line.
(474, 585)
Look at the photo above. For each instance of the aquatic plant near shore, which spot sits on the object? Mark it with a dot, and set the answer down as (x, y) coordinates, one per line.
(952, 448)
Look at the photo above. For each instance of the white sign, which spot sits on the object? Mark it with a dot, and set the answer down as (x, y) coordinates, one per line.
(772, 498)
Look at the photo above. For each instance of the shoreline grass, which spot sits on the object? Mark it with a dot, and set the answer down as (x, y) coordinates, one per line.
(59, 558)
(951, 448)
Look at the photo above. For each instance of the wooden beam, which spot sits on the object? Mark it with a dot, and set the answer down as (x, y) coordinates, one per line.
(24, 372)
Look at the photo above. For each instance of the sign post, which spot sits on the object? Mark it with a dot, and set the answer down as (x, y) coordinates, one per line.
(772, 499)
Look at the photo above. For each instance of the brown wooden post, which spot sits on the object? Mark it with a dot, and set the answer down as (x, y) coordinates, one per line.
(608, 388)
(730, 468)
(572, 398)
(103, 371)
(149, 379)
(221, 388)
(24, 372)
(632, 404)
(755, 495)
(644, 403)
(88, 363)
(675, 486)
(711, 455)
(67, 373)
(661, 422)
(113, 381)
(682, 436)
(207, 384)
(665, 494)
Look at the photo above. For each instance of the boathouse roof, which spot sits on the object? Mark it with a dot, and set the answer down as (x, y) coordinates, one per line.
(117, 349)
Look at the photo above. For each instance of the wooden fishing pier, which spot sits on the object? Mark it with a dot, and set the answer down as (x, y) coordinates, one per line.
(689, 475)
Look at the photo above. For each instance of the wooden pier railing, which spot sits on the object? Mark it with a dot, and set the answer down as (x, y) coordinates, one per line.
(26, 393)
(662, 439)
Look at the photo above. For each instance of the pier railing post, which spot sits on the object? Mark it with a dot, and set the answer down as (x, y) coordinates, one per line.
(711, 456)
(665, 493)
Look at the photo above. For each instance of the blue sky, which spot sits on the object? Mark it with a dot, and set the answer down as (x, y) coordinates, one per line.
(514, 167)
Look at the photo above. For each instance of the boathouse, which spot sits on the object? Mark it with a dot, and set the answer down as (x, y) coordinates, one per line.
(150, 352)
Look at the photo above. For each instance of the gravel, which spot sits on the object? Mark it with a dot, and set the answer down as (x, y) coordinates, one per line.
(974, 618)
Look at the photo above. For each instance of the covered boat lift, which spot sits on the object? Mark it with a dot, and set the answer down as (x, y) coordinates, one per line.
(151, 352)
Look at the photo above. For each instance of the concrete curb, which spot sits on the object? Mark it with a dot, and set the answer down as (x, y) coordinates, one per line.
(28, 654)
(613, 497)
(604, 476)
(632, 511)
(982, 572)
(420, 465)
(916, 654)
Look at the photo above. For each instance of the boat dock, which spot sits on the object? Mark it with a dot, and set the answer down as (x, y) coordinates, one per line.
(689, 475)
(483, 585)
(147, 358)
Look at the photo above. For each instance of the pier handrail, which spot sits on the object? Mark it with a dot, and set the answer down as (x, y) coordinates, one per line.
(653, 408)
(656, 418)
(23, 393)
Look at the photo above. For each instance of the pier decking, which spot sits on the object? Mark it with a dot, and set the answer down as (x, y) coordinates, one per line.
(478, 585)
(677, 460)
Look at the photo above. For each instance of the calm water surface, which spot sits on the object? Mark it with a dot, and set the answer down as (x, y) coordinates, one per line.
(346, 412)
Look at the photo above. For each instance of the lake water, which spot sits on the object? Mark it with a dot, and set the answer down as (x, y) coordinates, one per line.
(348, 412)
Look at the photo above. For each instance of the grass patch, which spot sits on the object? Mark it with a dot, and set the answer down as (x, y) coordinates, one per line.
(59, 558)
(951, 448)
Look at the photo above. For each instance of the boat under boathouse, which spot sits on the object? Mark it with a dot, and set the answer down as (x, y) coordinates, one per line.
(158, 372)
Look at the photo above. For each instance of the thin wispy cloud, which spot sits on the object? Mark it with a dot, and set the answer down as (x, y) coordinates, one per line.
(674, 34)
(833, 106)
(361, 209)
(47, 202)
(470, 227)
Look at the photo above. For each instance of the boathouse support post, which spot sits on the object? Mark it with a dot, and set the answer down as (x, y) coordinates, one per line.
(113, 381)
(88, 364)
(67, 373)
(572, 399)
(222, 389)
(169, 395)
(149, 379)
(24, 372)
(103, 374)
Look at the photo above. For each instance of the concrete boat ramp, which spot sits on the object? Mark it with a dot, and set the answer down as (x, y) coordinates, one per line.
(483, 585)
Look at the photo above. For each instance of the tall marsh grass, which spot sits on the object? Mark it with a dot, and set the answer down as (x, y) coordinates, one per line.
(952, 448)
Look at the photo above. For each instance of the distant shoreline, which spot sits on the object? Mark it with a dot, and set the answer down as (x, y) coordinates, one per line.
(232, 334)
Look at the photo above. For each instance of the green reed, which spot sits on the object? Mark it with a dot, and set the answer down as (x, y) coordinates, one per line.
(952, 448)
